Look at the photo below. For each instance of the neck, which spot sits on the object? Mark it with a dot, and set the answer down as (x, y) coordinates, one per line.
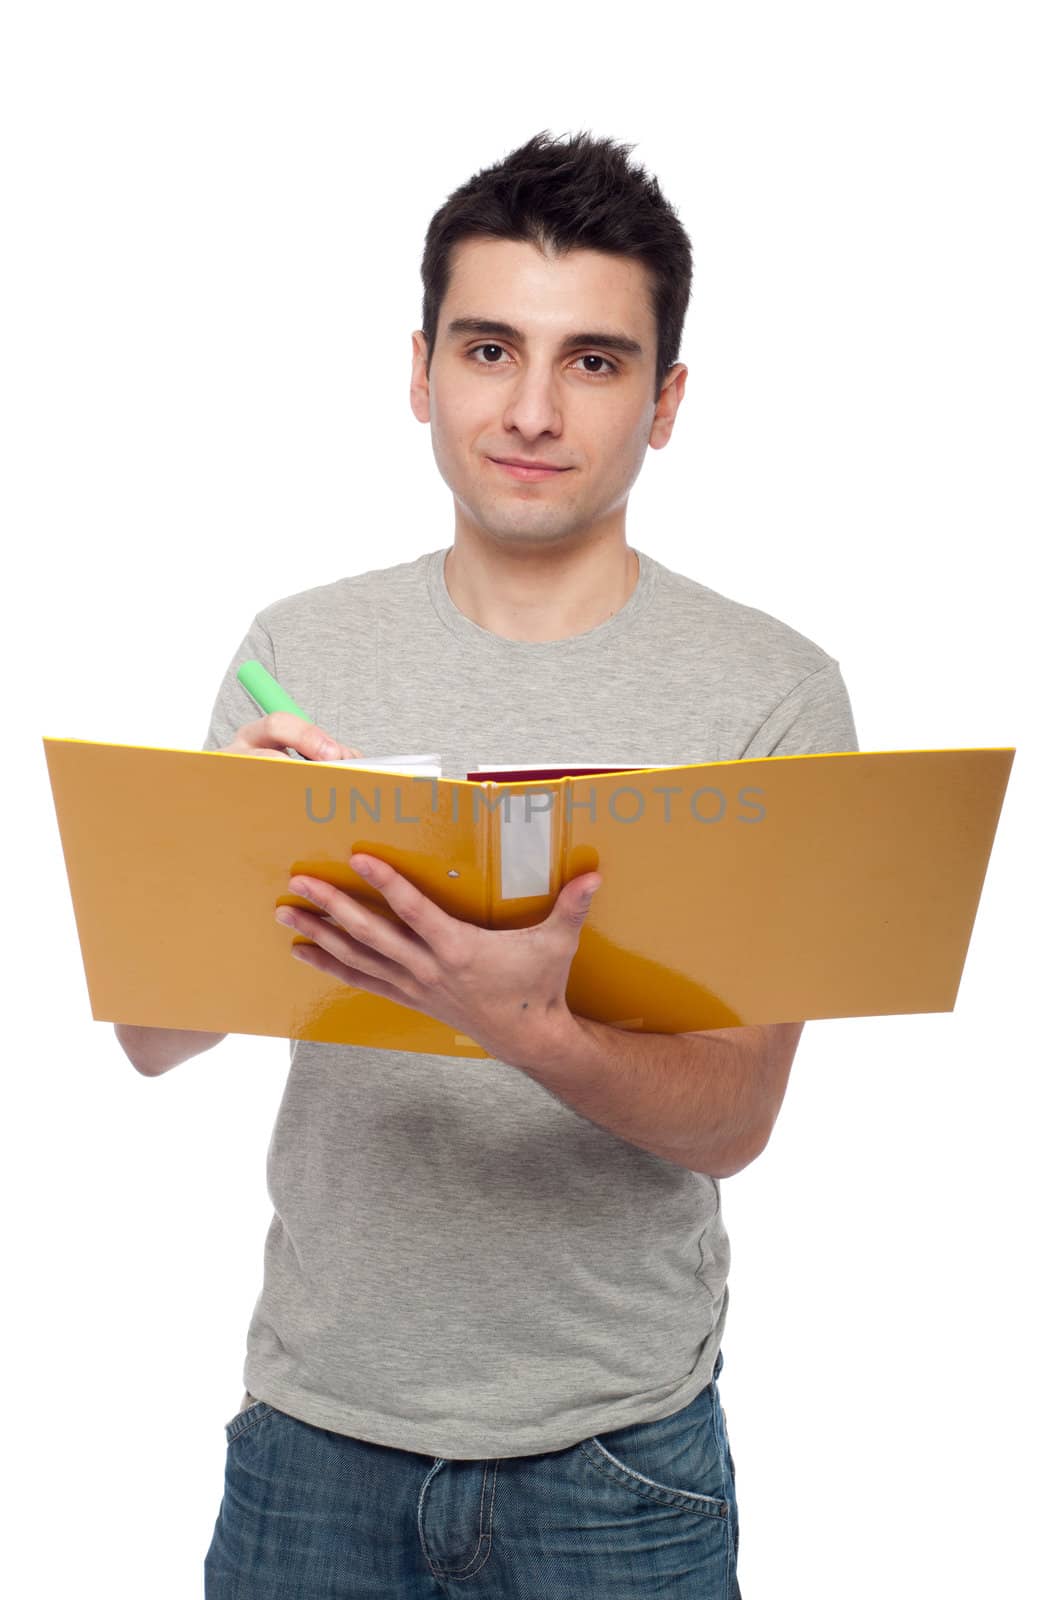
(539, 595)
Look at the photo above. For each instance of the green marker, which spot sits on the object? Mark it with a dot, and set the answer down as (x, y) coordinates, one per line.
(267, 693)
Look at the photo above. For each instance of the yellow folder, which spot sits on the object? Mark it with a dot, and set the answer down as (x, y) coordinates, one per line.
(733, 892)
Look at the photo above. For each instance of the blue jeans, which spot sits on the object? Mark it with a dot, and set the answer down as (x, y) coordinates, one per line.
(308, 1514)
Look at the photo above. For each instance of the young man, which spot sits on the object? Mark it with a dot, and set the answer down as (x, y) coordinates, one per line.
(485, 1351)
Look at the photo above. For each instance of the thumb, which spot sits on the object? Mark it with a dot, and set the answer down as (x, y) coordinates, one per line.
(575, 898)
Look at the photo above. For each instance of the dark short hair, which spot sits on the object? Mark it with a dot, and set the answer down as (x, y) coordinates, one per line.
(583, 194)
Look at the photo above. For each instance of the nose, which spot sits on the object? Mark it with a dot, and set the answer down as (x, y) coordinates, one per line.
(533, 405)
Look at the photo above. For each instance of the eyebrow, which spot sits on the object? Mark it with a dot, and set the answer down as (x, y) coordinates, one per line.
(618, 342)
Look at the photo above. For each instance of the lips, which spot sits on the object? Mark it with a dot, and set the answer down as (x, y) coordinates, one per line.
(538, 473)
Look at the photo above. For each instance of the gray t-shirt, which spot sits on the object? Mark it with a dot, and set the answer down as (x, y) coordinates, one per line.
(458, 1264)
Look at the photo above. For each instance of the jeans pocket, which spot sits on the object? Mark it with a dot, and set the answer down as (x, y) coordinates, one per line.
(675, 1461)
(237, 1426)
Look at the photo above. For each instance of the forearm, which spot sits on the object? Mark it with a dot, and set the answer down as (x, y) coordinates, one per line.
(155, 1050)
(685, 1099)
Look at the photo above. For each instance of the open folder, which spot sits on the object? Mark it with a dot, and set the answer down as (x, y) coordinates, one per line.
(733, 892)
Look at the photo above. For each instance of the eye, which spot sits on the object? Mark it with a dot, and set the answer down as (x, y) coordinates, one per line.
(591, 355)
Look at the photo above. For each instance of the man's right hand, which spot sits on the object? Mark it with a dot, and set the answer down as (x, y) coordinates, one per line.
(283, 730)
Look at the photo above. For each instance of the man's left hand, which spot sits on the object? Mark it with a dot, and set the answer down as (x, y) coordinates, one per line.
(503, 987)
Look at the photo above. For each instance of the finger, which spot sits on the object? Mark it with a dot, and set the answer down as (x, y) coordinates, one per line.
(357, 938)
(284, 730)
(310, 955)
(391, 940)
(430, 922)
(264, 753)
(355, 957)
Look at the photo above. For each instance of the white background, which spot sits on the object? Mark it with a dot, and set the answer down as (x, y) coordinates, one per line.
(214, 217)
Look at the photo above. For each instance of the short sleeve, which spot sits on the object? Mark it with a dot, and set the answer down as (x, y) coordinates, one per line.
(233, 706)
(815, 718)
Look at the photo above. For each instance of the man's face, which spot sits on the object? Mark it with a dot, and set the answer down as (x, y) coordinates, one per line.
(586, 407)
